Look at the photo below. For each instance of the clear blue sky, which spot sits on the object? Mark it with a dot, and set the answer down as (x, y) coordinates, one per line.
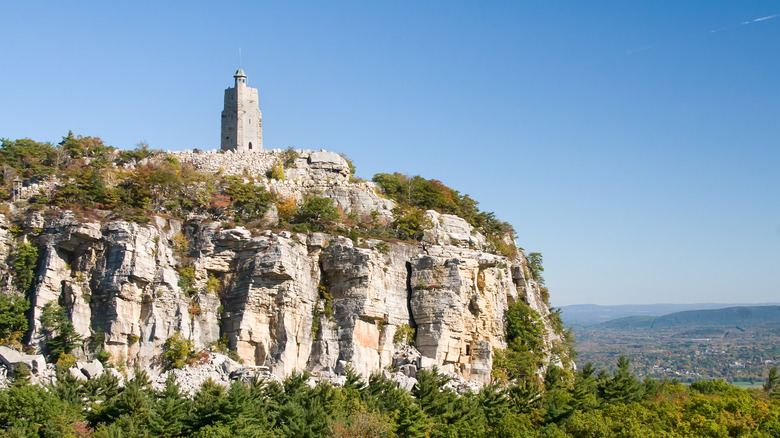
(634, 144)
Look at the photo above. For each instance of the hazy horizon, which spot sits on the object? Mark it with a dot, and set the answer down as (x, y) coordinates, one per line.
(768, 303)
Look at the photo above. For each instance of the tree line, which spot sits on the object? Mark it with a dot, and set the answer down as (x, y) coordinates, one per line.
(583, 404)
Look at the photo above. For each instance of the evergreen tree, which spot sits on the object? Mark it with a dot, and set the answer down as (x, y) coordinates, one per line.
(301, 413)
(412, 421)
(495, 403)
(584, 392)
(384, 394)
(556, 400)
(13, 321)
(448, 413)
(245, 415)
(132, 407)
(623, 387)
(169, 415)
(209, 405)
(525, 394)
(772, 384)
(27, 408)
(102, 388)
(62, 335)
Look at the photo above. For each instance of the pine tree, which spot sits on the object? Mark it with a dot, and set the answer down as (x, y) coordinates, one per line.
(556, 400)
(412, 421)
(169, 416)
(584, 392)
(495, 403)
(623, 387)
(772, 385)
(208, 405)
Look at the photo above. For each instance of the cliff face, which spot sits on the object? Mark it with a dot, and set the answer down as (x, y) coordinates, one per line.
(284, 300)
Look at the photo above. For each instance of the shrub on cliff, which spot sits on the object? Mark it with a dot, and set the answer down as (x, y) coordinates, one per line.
(535, 264)
(288, 157)
(81, 147)
(318, 212)
(417, 192)
(27, 158)
(13, 322)
(410, 223)
(178, 351)
(249, 201)
(25, 258)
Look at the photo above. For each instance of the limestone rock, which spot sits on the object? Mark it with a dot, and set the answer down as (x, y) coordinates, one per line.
(92, 369)
(448, 229)
(36, 363)
(77, 374)
(282, 300)
(458, 301)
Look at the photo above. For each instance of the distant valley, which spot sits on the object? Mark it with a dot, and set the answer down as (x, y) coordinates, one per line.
(738, 343)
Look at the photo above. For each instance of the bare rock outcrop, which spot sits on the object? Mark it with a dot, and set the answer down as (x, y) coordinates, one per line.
(280, 300)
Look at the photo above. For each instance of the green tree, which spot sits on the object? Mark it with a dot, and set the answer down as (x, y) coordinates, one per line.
(556, 400)
(535, 264)
(412, 421)
(249, 201)
(524, 334)
(410, 223)
(209, 405)
(13, 322)
(27, 158)
(623, 386)
(244, 414)
(62, 335)
(772, 384)
(584, 391)
(29, 408)
(524, 326)
(170, 412)
(127, 413)
(81, 147)
(496, 405)
(25, 259)
(415, 195)
(177, 351)
(319, 212)
(449, 414)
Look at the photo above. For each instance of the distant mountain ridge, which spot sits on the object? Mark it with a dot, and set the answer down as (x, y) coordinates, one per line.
(739, 317)
(590, 314)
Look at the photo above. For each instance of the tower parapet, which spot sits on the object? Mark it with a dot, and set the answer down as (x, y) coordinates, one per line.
(242, 121)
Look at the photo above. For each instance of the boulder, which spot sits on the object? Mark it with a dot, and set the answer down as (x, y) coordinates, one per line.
(77, 374)
(91, 369)
(11, 358)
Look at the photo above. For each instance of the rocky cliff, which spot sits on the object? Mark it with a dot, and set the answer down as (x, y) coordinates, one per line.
(284, 300)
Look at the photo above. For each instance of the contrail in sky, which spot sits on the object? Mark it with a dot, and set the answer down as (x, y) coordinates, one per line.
(755, 20)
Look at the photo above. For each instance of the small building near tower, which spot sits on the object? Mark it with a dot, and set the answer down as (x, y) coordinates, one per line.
(242, 124)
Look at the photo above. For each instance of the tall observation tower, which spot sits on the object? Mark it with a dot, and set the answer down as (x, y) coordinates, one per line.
(242, 124)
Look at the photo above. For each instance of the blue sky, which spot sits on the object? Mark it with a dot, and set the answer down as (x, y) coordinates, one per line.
(634, 144)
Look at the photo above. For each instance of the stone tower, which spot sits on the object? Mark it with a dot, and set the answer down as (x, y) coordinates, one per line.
(242, 124)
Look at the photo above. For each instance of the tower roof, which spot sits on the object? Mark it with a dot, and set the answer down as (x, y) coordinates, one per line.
(239, 73)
